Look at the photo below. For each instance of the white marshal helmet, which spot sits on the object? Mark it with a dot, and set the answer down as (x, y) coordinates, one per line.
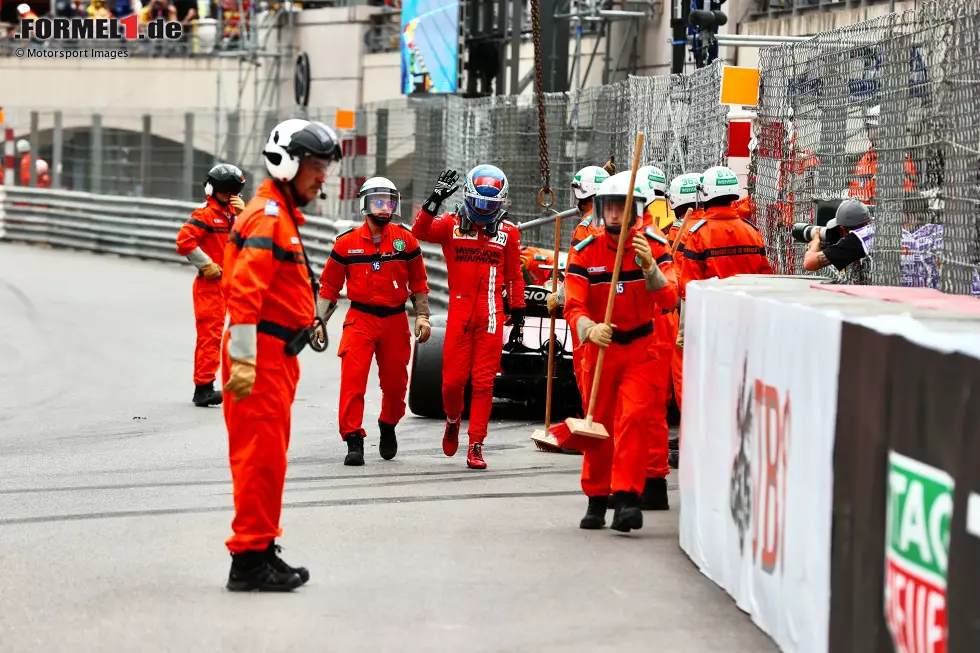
(377, 193)
(651, 183)
(719, 182)
(614, 191)
(683, 190)
(23, 146)
(293, 139)
(586, 182)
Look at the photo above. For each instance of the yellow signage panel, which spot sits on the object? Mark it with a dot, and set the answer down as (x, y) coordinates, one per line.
(740, 86)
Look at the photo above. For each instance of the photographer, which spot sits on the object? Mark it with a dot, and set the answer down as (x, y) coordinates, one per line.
(846, 239)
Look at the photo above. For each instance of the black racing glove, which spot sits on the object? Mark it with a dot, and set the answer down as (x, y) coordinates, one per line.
(445, 187)
(516, 318)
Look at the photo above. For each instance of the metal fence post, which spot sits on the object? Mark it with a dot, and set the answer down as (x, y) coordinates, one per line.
(96, 145)
(381, 144)
(231, 141)
(58, 146)
(35, 143)
(146, 146)
(187, 192)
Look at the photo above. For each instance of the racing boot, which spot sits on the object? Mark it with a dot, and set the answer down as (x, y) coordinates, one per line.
(388, 444)
(595, 515)
(474, 456)
(674, 459)
(206, 395)
(654, 495)
(277, 563)
(627, 515)
(355, 449)
(450, 439)
(251, 571)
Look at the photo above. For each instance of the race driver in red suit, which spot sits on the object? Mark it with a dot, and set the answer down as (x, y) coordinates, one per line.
(483, 256)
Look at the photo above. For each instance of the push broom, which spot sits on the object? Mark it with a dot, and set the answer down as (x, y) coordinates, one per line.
(582, 434)
(542, 438)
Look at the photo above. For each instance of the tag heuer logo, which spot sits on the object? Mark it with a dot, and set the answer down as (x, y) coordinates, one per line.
(919, 512)
(399, 245)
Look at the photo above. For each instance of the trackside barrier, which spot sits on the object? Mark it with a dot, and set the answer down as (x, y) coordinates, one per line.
(830, 469)
(147, 228)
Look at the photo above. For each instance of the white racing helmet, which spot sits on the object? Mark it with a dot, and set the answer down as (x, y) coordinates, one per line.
(683, 190)
(586, 182)
(378, 193)
(719, 182)
(293, 139)
(613, 192)
(651, 183)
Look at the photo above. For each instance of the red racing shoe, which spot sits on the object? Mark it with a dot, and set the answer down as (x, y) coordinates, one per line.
(474, 456)
(450, 439)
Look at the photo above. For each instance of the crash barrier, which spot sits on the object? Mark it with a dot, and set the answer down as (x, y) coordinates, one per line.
(816, 422)
(147, 228)
(884, 111)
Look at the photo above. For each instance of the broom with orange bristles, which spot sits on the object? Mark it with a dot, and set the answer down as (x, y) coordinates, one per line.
(582, 434)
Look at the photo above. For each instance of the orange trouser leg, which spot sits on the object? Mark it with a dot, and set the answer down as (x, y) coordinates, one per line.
(659, 386)
(487, 349)
(457, 360)
(597, 462)
(633, 423)
(209, 315)
(677, 373)
(356, 349)
(394, 351)
(258, 438)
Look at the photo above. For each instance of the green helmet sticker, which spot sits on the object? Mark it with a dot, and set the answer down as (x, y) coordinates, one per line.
(688, 187)
(657, 177)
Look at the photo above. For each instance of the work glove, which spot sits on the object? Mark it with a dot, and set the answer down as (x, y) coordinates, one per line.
(445, 187)
(600, 334)
(552, 301)
(642, 248)
(680, 340)
(237, 204)
(211, 271)
(319, 337)
(516, 318)
(242, 379)
(422, 328)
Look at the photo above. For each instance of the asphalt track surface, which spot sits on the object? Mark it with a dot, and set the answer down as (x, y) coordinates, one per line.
(115, 501)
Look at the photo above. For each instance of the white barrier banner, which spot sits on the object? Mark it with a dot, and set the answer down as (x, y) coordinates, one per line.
(756, 470)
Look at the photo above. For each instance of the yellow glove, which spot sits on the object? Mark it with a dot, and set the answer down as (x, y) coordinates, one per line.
(643, 251)
(211, 271)
(600, 334)
(552, 301)
(422, 328)
(242, 379)
(237, 204)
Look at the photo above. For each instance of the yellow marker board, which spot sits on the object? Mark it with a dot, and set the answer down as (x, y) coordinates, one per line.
(740, 86)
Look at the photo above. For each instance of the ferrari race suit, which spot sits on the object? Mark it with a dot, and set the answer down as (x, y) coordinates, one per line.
(270, 298)
(202, 238)
(624, 403)
(479, 267)
(380, 278)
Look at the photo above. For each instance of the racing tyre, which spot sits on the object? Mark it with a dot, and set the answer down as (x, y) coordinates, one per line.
(425, 386)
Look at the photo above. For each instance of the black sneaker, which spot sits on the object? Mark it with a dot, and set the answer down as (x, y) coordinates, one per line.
(206, 395)
(277, 563)
(595, 515)
(388, 444)
(355, 449)
(251, 571)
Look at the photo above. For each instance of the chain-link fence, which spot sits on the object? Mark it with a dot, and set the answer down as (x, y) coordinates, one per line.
(886, 112)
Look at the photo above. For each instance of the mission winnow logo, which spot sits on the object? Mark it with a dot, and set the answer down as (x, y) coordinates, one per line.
(94, 29)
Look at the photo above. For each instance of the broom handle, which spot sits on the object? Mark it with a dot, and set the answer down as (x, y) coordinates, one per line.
(680, 232)
(620, 249)
(551, 336)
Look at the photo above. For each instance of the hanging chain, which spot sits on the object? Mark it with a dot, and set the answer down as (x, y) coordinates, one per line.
(545, 191)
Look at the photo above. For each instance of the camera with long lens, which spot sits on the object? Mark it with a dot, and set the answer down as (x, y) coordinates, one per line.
(803, 232)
